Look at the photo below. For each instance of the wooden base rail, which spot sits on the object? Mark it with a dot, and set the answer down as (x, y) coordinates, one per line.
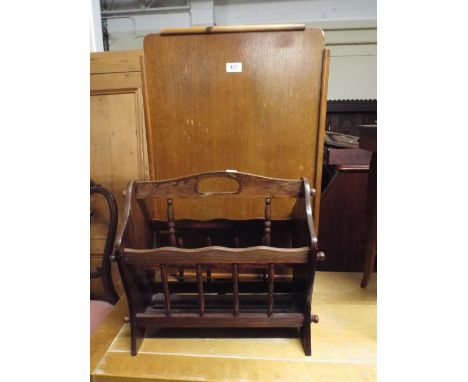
(220, 320)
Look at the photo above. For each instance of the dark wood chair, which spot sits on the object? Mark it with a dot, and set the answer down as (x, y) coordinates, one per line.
(100, 308)
(203, 273)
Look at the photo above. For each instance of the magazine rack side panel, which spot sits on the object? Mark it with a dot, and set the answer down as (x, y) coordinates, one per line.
(264, 119)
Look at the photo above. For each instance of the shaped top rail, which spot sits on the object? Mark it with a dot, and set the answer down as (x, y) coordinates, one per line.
(248, 185)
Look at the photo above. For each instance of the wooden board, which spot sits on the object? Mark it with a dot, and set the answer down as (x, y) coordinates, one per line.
(267, 120)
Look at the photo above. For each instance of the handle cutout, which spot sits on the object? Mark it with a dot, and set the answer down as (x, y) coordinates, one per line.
(218, 185)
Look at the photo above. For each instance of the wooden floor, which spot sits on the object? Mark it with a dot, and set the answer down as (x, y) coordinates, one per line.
(343, 345)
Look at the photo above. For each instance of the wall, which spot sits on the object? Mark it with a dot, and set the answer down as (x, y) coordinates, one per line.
(350, 31)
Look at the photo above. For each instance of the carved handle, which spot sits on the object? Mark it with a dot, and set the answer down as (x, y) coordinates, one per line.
(229, 174)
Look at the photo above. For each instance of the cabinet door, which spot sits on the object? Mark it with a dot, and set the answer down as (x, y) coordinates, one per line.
(118, 144)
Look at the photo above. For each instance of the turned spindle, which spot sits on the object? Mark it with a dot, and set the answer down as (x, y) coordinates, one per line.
(271, 279)
(201, 296)
(180, 244)
(165, 285)
(170, 222)
(267, 231)
(208, 270)
(235, 289)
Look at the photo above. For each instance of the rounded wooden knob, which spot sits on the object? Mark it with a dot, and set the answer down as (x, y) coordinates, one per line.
(314, 318)
(126, 319)
(321, 256)
(124, 193)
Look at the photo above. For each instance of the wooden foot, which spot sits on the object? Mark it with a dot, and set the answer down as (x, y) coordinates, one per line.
(306, 339)
(136, 337)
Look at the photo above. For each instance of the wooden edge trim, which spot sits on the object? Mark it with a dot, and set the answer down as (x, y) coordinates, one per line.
(217, 255)
(149, 130)
(232, 29)
(321, 135)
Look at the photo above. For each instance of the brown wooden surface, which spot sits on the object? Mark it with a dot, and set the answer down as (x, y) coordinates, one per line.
(343, 220)
(267, 120)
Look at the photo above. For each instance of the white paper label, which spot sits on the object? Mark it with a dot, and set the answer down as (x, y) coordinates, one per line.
(233, 67)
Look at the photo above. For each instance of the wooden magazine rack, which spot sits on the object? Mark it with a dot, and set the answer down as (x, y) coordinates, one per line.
(243, 248)
(148, 251)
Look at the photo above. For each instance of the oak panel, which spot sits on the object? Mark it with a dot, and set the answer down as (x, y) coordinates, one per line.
(264, 120)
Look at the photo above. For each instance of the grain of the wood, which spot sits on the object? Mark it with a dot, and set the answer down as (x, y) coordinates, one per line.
(198, 109)
(232, 29)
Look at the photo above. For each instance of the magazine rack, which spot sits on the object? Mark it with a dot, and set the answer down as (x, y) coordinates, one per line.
(167, 267)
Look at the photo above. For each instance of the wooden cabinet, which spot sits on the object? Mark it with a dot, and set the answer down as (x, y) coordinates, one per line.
(118, 138)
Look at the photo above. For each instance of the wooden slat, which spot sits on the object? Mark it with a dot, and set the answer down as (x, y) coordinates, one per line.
(267, 234)
(235, 289)
(167, 296)
(208, 270)
(170, 222)
(219, 320)
(180, 244)
(201, 297)
(232, 29)
(217, 255)
(271, 280)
